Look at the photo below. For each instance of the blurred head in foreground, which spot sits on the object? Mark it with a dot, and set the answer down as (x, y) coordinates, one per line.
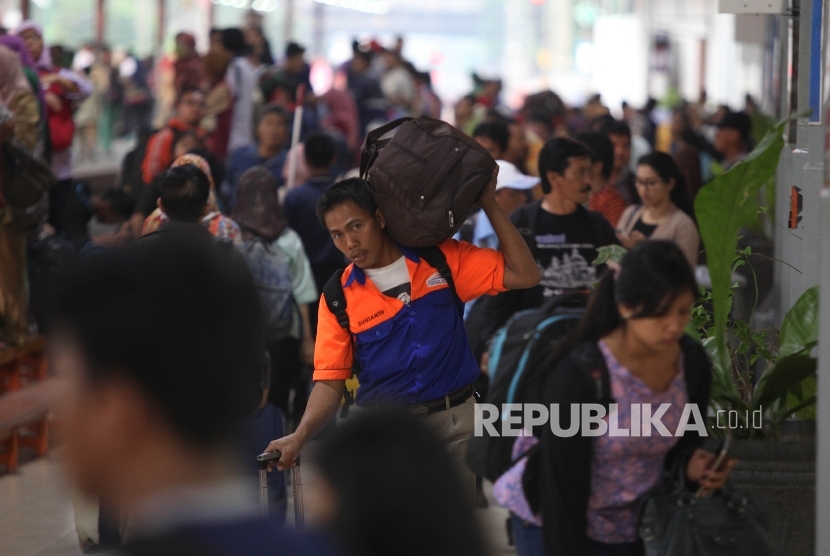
(383, 483)
(160, 346)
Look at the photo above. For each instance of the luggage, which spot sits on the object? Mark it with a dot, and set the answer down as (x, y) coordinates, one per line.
(262, 461)
(426, 178)
(257, 430)
(515, 353)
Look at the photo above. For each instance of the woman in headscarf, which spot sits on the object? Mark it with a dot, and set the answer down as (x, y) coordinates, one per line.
(258, 213)
(17, 95)
(61, 87)
(17, 45)
(216, 223)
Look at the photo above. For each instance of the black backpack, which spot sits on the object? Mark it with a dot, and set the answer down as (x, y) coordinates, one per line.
(515, 371)
(336, 300)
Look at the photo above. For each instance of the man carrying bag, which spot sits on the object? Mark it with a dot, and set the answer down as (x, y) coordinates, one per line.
(401, 320)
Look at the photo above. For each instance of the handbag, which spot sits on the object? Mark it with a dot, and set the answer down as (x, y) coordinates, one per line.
(675, 522)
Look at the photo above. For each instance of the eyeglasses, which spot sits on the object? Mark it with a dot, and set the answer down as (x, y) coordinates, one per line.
(647, 184)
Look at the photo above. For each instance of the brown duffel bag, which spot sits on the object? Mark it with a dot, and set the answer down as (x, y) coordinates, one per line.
(426, 178)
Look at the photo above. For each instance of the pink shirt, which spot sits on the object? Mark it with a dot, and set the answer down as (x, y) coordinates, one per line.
(624, 468)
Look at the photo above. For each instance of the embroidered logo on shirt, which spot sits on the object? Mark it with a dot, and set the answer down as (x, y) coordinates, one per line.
(436, 280)
(373, 317)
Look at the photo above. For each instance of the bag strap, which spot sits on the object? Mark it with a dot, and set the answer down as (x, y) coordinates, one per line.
(336, 299)
(371, 147)
(591, 362)
(336, 303)
(437, 260)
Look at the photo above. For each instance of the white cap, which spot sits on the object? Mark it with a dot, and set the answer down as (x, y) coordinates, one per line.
(509, 176)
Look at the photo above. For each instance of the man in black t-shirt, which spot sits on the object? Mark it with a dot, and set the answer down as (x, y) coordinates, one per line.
(562, 235)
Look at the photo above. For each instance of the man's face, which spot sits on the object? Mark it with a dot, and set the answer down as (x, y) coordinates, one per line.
(726, 138)
(575, 183)
(295, 63)
(492, 147)
(191, 108)
(272, 131)
(463, 110)
(596, 177)
(34, 43)
(622, 151)
(357, 233)
(216, 40)
(86, 418)
(517, 147)
(510, 199)
(359, 64)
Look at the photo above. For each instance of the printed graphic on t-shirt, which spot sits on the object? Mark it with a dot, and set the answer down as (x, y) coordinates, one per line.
(402, 292)
(568, 269)
(566, 250)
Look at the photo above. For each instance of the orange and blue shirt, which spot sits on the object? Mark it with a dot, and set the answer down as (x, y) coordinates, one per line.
(408, 353)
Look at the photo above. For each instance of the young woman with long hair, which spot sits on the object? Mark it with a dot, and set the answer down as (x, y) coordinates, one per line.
(590, 487)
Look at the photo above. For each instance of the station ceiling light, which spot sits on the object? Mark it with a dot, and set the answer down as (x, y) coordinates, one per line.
(378, 7)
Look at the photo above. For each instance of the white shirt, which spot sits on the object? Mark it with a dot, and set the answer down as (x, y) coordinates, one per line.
(242, 79)
(392, 280)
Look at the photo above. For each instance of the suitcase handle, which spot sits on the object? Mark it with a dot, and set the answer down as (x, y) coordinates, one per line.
(264, 459)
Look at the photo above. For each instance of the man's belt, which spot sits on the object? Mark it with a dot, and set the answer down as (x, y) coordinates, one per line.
(450, 400)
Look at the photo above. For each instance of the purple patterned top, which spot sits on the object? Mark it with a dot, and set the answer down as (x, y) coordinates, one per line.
(508, 490)
(623, 468)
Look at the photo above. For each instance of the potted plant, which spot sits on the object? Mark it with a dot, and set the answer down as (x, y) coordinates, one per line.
(777, 452)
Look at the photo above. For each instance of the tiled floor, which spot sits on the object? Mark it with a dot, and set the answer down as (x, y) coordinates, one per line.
(36, 512)
(36, 517)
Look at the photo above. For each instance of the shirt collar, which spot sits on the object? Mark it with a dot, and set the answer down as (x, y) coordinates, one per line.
(359, 276)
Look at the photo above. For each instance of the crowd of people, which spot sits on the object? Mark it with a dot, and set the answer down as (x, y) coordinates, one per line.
(216, 242)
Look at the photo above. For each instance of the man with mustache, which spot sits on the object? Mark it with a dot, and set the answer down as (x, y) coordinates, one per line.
(403, 320)
(561, 233)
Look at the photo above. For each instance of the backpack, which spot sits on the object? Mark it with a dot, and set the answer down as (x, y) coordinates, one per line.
(425, 179)
(515, 354)
(336, 301)
(26, 182)
(273, 280)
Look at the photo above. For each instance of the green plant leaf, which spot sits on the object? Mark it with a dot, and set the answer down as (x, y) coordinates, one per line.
(723, 207)
(799, 329)
(777, 383)
(612, 253)
(807, 406)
